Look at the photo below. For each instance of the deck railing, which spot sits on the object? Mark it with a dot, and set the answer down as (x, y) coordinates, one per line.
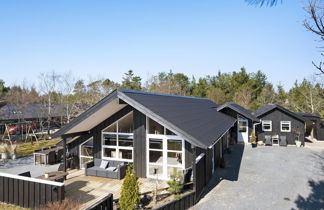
(29, 192)
(201, 178)
(105, 203)
(183, 203)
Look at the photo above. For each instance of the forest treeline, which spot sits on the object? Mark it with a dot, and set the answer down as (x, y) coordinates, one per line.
(251, 90)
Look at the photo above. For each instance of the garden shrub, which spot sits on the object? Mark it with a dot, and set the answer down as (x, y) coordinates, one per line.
(129, 197)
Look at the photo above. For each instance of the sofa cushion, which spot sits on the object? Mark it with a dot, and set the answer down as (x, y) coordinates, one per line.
(104, 164)
(97, 162)
(111, 168)
(92, 171)
(112, 163)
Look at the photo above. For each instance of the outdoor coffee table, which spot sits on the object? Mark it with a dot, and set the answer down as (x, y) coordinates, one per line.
(54, 176)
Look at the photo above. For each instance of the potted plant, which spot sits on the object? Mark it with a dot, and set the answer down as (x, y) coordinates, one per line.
(253, 140)
(4, 151)
(12, 151)
(46, 175)
(297, 141)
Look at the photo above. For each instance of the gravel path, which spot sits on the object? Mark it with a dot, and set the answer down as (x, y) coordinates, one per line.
(268, 178)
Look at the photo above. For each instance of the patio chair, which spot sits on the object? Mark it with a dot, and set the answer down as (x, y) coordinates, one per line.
(275, 139)
(61, 167)
(283, 141)
(25, 174)
(186, 179)
(267, 141)
(59, 155)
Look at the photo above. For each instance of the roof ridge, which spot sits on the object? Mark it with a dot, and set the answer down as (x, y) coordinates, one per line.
(158, 94)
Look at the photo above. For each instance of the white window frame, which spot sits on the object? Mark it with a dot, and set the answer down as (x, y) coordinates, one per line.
(117, 147)
(84, 156)
(285, 122)
(164, 150)
(264, 122)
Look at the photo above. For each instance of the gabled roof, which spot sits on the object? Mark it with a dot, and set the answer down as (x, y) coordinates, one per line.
(269, 107)
(195, 119)
(29, 111)
(239, 109)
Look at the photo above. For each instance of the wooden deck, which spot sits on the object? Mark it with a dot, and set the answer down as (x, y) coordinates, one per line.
(87, 190)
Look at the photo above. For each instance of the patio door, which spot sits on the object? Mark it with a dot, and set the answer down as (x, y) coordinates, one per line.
(86, 152)
(242, 131)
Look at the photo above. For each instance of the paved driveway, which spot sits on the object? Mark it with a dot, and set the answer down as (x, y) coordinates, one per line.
(268, 178)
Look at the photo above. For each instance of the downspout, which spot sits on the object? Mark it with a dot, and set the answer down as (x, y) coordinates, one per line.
(254, 124)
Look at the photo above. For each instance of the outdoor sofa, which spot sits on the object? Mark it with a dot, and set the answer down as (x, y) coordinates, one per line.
(106, 168)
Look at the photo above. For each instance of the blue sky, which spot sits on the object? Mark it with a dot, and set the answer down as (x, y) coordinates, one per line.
(106, 38)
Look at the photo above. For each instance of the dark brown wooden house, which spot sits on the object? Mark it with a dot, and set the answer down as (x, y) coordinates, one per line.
(279, 121)
(155, 132)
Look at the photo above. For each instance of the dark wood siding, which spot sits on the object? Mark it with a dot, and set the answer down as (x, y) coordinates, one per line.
(188, 155)
(139, 143)
(276, 116)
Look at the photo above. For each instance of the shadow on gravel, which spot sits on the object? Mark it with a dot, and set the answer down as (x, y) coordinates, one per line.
(315, 200)
(231, 171)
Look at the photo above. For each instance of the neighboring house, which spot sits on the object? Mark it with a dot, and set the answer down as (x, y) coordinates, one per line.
(314, 125)
(155, 132)
(242, 130)
(279, 121)
(11, 113)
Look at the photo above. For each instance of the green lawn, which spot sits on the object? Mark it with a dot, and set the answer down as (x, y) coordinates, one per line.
(27, 149)
(10, 207)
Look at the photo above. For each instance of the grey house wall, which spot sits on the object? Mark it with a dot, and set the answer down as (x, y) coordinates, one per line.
(276, 116)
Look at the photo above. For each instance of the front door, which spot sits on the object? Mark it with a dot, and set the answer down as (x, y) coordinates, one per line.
(242, 131)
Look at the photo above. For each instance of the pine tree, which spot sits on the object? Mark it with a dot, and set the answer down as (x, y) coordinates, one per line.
(129, 197)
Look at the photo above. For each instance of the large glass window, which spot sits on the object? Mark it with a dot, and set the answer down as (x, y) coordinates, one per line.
(266, 125)
(86, 152)
(285, 126)
(155, 128)
(165, 151)
(117, 139)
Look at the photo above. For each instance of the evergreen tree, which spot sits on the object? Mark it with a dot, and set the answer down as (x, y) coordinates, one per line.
(132, 82)
(129, 197)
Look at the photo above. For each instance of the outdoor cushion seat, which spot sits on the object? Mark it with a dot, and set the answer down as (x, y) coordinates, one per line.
(283, 141)
(111, 168)
(93, 169)
(267, 140)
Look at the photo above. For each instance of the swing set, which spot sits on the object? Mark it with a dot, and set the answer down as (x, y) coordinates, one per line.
(25, 129)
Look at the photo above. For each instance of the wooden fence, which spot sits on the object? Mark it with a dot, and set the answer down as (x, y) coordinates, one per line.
(104, 204)
(29, 192)
(183, 203)
(201, 178)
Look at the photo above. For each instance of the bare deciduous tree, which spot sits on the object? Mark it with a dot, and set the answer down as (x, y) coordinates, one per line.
(48, 86)
(315, 9)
